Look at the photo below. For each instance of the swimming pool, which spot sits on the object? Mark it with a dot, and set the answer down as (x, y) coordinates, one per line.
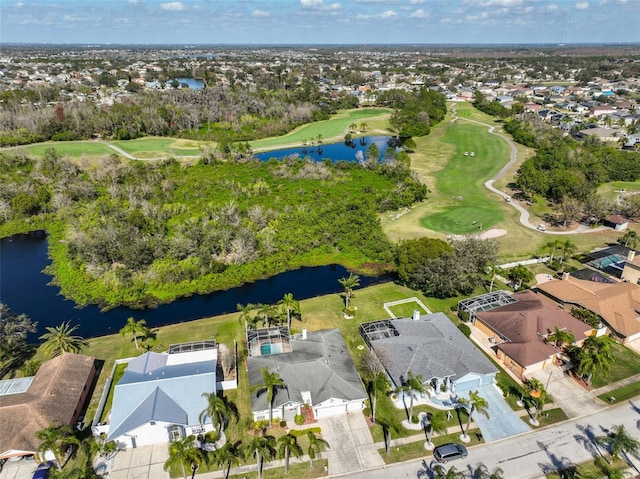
(270, 348)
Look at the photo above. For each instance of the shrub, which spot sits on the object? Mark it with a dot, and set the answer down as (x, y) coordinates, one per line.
(463, 315)
(466, 330)
(283, 423)
(299, 419)
(414, 419)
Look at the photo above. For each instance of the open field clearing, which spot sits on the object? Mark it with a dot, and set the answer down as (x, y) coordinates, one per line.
(74, 149)
(155, 147)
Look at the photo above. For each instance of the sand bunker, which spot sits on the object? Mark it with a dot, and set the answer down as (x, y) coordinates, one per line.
(494, 233)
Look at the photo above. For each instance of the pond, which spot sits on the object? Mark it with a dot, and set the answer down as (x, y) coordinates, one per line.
(192, 83)
(25, 289)
(345, 151)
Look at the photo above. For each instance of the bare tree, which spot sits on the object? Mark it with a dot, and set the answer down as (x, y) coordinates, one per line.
(227, 359)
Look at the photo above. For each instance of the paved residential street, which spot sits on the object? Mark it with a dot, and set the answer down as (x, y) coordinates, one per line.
(530, 455)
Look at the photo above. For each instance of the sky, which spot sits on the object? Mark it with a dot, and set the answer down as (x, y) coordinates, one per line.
(361, 22)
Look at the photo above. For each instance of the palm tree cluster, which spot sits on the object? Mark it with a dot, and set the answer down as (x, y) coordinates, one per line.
(269, 315)
(186, 453)
(595, 356)
(60, 339)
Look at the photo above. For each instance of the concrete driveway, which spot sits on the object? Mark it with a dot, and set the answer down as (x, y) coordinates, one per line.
(140, 463)
(19, 469)
(352, 448)
(573, 399)
(503, 421)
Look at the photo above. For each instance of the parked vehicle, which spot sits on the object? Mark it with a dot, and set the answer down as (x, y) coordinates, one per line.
(449, 452)
(42, 471)
(542, 227)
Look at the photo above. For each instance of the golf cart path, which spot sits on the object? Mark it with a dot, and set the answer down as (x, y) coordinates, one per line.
(524, 214)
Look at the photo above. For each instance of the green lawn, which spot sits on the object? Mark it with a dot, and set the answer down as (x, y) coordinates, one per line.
(627, 363)
(75, 149)
(406, 310)
(155, 147)
(623, 393)
(611, 191)
(465, 204)
(588, 469)
(299, 471)
(335, 127)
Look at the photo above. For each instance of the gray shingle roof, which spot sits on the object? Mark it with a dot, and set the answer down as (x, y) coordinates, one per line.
(320, 364)
(430, 347)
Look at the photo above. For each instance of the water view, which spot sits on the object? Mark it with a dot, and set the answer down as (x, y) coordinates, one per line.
(344, 151)
(25, 289)
(193, 83)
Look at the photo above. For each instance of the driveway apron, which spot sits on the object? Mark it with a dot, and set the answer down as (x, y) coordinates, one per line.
(503, 421)
(351, 445)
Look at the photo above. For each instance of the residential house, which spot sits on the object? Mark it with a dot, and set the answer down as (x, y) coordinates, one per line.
(430, 346)
(520, 330)
(160, 396)
(617, 304)
(316, 368)
(57, 394)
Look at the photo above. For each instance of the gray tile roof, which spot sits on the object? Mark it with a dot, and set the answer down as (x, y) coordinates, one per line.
(320, 364)
(181, 388)
(431, 347)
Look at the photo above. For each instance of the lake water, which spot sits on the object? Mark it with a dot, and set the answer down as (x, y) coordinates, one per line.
(194, 83)
(25, 289)
(334, 151)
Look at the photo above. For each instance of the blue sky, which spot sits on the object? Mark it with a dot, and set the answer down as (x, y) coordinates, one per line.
(320, 21)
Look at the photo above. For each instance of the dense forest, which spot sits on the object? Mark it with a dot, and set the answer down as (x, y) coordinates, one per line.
(140, 233)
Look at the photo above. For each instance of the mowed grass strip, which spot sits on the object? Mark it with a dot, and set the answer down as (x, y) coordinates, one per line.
(335, 127)
(154, 147)
(464, 204)
(74, 149)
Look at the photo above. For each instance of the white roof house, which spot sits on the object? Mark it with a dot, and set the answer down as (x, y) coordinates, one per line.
(159, 397)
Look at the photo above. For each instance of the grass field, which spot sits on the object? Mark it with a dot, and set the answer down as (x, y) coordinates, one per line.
(331, 129)
(612, 190)
(156, 147)
(74, 149)
(464, 204)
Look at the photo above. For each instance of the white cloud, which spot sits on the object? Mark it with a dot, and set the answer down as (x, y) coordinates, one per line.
(582, 5)
(19, 4)
(420, 14)
(136, 3)
(383, 15)
(260, 13)
(173, 6)
(502, 3)
(319, 5)
(528, 9)
(416, 2)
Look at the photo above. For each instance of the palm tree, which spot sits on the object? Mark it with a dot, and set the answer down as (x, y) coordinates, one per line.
(482, 472)
(288, 446)
(629, 239)
(538, 395)
(493, 270)
(217, 410)
(56, 438)
(183, 452)
(290, 305)
(245, 314)
(261, 448)
(353, 281)
(389, 424)
(316, 444)
(619, 442)
(553, 245)
(59, 339)
(561, 337)
(568, 248)
(271, 382)
(378, 385)
(441, 472)
(136, 328)
(413, 384)
(267, 312)
(436, 423)
(228, 455)
(595, 356)
(474, 403)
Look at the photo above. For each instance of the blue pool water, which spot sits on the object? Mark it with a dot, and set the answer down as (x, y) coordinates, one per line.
(270, 348)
